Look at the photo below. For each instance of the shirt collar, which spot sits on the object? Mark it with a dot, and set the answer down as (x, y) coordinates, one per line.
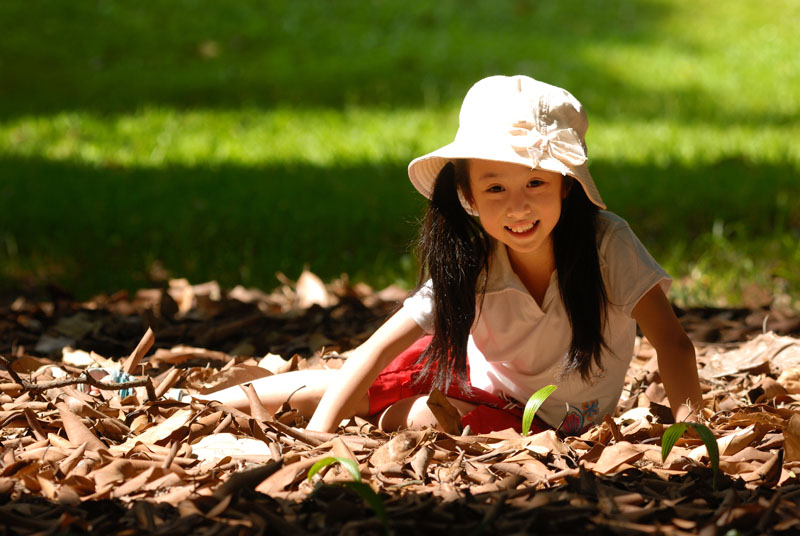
(501, 274)
(502, 277)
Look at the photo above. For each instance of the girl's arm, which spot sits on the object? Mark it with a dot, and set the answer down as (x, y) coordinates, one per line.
(361, 368)
(676, 357)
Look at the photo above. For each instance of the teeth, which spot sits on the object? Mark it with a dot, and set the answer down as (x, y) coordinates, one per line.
(521, 228)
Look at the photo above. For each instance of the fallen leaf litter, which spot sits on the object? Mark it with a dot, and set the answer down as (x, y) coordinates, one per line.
(83, 458)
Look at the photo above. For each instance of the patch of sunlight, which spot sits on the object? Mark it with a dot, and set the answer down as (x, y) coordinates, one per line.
(735, 61)
(157, 137)
(665, 142)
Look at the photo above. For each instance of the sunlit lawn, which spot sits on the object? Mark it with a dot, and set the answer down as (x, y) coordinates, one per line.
(233, 142)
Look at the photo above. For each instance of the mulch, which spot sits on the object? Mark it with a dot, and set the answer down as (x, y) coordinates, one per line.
(80, 457)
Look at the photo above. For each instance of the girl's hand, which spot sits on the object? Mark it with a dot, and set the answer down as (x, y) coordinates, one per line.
(346, 396)
(676, 357)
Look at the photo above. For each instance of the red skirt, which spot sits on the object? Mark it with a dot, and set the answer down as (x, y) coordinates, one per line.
(397, 382)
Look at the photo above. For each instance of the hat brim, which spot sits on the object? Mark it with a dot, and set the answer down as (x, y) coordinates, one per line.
(423, 170)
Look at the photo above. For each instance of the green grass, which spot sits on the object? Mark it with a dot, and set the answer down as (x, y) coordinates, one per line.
(230, 141)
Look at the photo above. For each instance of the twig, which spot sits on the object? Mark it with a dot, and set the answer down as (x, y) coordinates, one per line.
(295, 433)
(7, 364)
(84, 378)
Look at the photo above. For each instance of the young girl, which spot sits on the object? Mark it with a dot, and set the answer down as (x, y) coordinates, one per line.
(525, 282)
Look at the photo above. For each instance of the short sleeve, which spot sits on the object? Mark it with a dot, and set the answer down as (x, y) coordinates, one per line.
(629, 271)
(420, 306)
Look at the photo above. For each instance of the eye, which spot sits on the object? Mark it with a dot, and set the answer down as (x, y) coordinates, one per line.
(495, 188)
(535, 183)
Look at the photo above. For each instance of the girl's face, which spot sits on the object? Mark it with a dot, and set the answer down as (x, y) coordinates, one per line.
(517, 205)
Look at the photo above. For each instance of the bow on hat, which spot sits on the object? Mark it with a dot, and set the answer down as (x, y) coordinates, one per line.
(563, 144)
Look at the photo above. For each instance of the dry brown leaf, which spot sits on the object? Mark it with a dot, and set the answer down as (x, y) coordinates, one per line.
(48, 487)
(533, 472)
(132, 362)
(733, 443)
(782, 353)
(771, 388)
(257, 409)
(132, 485)
(446, 414)
(214, 447)
(182, 353)
(340, 449)
(616, 455)
(68, 495)
(118, 470)
(398, 448)
(311, 290)
(273, 363)
(77, 432)
(789, 375)
(235, 375)
(546, 442)
(50, 455)
(421, 460)
(60, 442)
(170, 479)
(68, 464)
(791, 436)
(288, 474)
(755, 414)
(167, 381)
(158, 432)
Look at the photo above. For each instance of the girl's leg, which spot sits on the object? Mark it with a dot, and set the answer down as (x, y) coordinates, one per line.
(305, 387)
(414, 413)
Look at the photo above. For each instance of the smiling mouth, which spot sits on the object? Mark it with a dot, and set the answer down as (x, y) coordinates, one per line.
(522, 228)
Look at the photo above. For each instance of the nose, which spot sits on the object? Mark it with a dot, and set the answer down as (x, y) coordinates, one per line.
(518, 207)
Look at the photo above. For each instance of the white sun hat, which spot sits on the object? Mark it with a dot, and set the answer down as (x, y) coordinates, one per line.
(519, 120)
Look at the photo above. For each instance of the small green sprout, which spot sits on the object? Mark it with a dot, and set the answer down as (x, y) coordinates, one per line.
(674, 432)
(348, 464)
(534, 403)
(367, 493)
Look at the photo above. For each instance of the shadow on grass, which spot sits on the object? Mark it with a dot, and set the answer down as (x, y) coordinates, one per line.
(107, 57)
(98, 229)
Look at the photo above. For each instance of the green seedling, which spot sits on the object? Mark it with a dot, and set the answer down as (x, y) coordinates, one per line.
(348, 464)
(364, 491)
(674, 432)
(534, 403)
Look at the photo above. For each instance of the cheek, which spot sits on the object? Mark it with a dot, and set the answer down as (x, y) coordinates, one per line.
(553, 204)
(489, 203)
(489, 223)
(487, 211)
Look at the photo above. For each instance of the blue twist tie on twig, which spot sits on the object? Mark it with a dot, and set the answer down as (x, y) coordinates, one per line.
(120, 376)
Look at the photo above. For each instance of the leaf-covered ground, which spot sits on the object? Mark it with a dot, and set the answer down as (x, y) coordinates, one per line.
(81, 457)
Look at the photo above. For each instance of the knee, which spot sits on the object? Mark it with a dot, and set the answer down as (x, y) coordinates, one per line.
(408, 413)
(420, 414)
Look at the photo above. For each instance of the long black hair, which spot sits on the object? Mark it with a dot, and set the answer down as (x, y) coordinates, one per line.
(580, 281)
(454, 252)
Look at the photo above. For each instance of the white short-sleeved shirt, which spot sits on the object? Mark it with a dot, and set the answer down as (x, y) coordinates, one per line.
(517, 347)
